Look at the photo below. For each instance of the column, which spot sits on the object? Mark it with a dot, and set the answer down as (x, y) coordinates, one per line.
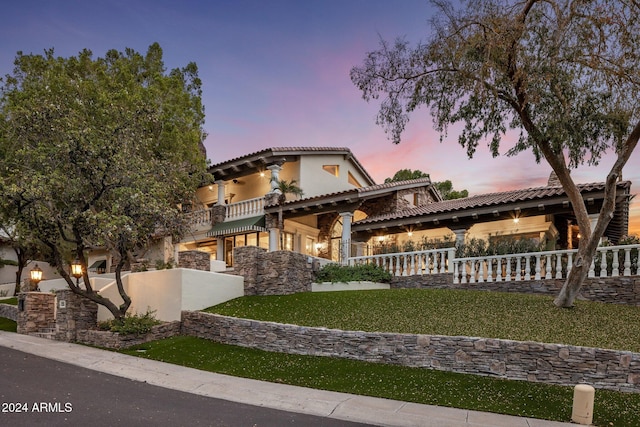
(275, 177)
(221, 190)
(220, 249)
(461, 235)
(274, 237)
(346, 235)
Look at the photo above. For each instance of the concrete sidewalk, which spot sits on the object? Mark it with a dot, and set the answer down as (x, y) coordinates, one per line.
(370, 410)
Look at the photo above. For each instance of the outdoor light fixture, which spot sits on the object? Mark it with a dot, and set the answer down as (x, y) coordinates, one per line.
(76, 270)
(36, 275)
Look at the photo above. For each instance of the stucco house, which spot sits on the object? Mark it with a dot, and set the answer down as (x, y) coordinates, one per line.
(343, 212)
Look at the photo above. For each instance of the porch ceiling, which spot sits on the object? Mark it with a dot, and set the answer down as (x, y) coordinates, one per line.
(464, 213)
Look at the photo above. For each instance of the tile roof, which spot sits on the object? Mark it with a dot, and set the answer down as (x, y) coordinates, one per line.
(485, 200)
(364, 191)
(296, 151)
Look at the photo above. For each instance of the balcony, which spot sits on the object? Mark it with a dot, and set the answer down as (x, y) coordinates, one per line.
(201, 220)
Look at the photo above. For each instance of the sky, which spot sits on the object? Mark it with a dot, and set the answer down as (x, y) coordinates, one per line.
(275, 73)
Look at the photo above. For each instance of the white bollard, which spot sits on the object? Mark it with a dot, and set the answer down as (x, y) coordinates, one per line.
(583, 396)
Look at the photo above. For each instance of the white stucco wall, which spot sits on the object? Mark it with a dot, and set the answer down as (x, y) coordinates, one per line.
(168, 292)
(315, 181)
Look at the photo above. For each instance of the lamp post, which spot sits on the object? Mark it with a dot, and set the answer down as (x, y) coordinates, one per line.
(76, 270)
(36, 275)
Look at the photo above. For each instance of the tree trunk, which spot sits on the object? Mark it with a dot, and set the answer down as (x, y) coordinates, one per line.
(575, 279)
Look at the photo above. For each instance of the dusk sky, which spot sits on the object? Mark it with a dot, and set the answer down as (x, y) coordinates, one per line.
(276, 74)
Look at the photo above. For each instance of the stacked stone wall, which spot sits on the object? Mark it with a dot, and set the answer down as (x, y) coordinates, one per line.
(614, 290)
(114, 340)
(38, 312)
(195, 260)
(9, 311)
(74, 312)
(272, 273)
(527, 361)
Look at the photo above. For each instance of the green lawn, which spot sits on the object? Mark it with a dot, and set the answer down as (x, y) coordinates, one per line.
(10, 301)
(394, 382)
(7, 325)
(450, 312)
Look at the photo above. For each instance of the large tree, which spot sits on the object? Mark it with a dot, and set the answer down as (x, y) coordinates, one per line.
(563, 72)
(99, 153)
(407, 174)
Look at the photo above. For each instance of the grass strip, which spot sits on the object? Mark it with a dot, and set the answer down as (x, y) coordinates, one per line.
(450, 312)
(9, 301)
(418, 385)
(8, 325)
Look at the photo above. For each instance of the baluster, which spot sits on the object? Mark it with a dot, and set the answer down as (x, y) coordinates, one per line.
(412, 269)
(558, 266)
(603, 264)
(490, 270)
(463, 271)
(481, 271)
(443, 262)
(472, 274)
(518, 269)
(455, 273)
(538, 268)
(592, 268)
(527, 268)
(627, 262)
(404, 265)
(499, 270)
(615, 272)
(548, 267)
(397, 268)
(507, 276)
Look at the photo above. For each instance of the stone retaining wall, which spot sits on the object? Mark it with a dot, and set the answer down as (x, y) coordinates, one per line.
(273, 273)
(108, 339)
(9, 311)
(530, 361)
(615, 290)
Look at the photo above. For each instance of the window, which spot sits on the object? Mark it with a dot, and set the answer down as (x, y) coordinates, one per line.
(332, 169)
(310, 245)
(353, 181)
(286, 241)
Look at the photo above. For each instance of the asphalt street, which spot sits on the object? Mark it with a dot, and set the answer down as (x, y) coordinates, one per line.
(35, 391)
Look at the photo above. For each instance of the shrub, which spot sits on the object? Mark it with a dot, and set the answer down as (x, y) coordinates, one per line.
(352, 273)
(131, 324)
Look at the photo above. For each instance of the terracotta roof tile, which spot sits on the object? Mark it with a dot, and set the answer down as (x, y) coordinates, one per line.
(484, 200)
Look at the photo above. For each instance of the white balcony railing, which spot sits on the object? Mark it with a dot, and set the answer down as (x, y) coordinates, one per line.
(610, 261)
(411, 263)
(244, 209)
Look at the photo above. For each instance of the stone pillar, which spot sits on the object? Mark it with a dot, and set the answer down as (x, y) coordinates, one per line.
(36, 312)
(346, 235)
(74, 313)
(195, 260)
(218, 214)
(275, 177)
(221, 190)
